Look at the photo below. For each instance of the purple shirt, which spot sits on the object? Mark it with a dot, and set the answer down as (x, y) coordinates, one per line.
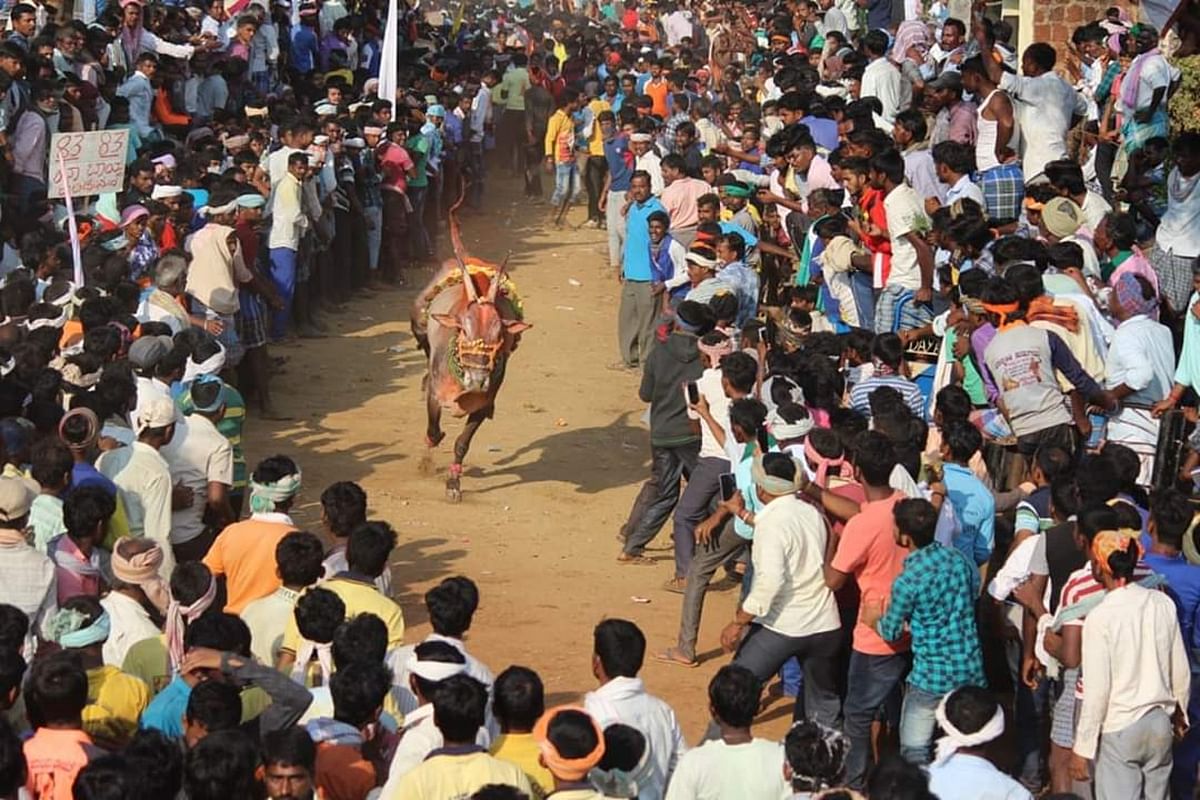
(981, 337)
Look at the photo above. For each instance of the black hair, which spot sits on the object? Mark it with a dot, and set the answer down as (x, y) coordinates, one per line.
(1171, 512)
(451, 605)
(1043, 55)
(189, 582)
(156, 764)
(290, 747)
(319, 612)
(363, 637)
(959, 158)
(1093, 519)
(519, 698)
(741, 370)
(51, 462)
(734, 694)
(106, 778)
(1122, 229)
(1053, 461)
(916, 519)
(57, 691)
(953, 402)
(218, 631)
(898, 779)
(273, 468)
(216, 705)
(962, 438)
(821, 759)
(573, 733)
(222, 766)
(969, 708)
(86, 508)
(13, 772)
(442, 653)
(778, 465)
(875, 457)
(459, 706)
(298, 557)
(889, 349)
(12, 670)
(358, 691)
(1066, 175)
(621, 647)
(370, 545)
(749, 414)
(875, 43)
(499, 791)
(1098, 481)
(913, 121)
(891, 164)
(1064, 496)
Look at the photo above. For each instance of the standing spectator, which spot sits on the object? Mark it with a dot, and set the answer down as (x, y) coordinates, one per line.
(635, 320)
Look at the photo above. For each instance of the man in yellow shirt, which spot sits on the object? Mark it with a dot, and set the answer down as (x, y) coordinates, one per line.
(518, 701)
(460, 767)
(560, 151)
(596, 168)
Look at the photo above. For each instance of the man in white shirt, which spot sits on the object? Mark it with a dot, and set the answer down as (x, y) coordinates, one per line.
(144, 479)
(954, 163)
(881, 79)
(833, 19)
(138, 90)
(298, 562)
(647, 159)
(905, 301)
(1137, 679)
(620, 648)
(137, 590)
(737, 765)
(201, 460)
(789, 611)
(27, 577)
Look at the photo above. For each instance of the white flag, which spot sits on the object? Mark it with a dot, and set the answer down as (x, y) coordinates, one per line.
(387, 60)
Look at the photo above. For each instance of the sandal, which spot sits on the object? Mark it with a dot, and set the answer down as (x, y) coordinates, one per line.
(639, 560)
(676, 585)
(671, 656)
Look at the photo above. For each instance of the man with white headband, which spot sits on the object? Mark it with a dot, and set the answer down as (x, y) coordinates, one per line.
(970, 719)
(429, 664)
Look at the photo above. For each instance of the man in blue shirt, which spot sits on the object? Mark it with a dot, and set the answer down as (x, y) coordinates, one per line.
(616, 183)
(305, 50)
(974, 505)
(635, 321)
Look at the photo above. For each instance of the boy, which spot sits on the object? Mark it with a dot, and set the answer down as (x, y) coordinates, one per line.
(59, 748)
(77, 555)
(51, 468)
(519, 701)
(974, 504)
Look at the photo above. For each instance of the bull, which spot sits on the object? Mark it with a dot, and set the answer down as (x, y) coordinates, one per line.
(468, 321)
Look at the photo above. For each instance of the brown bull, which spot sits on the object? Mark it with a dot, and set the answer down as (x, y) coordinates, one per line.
(467, 326)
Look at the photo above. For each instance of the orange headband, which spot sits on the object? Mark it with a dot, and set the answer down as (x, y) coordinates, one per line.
(567, 769)
(1108, 542)
(1033, 205)
(1003, 309)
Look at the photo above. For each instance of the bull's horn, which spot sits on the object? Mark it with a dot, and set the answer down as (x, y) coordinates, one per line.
(468, 284)
(496, 280)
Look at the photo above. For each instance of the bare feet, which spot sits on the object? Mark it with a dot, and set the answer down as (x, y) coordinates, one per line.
(672, 655)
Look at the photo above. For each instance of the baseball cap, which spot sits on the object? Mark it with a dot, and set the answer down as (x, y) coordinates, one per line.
(16, 496)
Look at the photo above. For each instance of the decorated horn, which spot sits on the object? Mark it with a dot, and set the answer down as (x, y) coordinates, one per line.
(468, 284)
(496, 280)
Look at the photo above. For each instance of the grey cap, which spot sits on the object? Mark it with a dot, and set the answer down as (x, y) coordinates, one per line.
(147, 351)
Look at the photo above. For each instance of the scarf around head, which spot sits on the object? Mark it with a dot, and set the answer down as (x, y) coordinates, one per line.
(264, 497)
(772, 485)
(1044, 309)
(561, 767)
(955, 740)
(1108, 542)
(142, 570)
(71, 629)
(179, 616)
(1128, 290)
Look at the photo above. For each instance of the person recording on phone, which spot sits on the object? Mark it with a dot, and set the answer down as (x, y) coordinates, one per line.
(717, 542)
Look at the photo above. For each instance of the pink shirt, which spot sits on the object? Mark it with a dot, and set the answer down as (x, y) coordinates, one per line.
(1138, 265)
(395, 163)
(680, 201)
(74, 572)
(54, 758)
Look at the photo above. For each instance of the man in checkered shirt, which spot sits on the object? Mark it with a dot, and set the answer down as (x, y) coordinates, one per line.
(935, 595)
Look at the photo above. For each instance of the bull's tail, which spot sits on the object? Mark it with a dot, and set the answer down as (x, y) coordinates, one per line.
(460, 252)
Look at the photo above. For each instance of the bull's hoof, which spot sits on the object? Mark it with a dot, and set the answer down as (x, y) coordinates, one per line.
(453, 491)
(434, 441)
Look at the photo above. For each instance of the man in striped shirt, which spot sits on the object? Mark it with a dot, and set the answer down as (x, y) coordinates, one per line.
(888, 353)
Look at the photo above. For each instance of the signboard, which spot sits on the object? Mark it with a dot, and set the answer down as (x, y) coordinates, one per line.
(92, 163)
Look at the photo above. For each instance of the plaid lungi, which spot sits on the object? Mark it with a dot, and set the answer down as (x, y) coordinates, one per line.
(1174, 276)
(897, 310)
(1003, 190)
(229, 333)
(252, 320)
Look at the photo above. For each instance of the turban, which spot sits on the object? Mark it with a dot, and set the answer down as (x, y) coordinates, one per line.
(210, 366)
(210, 211)
(165, 160)
(716, 352)
(142, 570)
(256, 111)
(955, 740)
(218, 399)
(701, 260)
(1128, 290)
(179, 615)
(48, 322)
(1003, 310)
(251, 200)
(435, 671)
(93, 428)
(824, 463)
(1062, 217)
(785, 431)
(736, 190)
(777, 487)
(163, 191)
(70, 629)
(372, 130)
(561, 767)
(236, 142)
(264, 497)
(1108, 542)
(641, 137)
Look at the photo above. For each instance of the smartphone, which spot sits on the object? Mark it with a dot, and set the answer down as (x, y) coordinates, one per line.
(693, 393)
(728, 486)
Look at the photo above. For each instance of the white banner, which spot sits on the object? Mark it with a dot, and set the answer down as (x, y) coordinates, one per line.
(83, 164)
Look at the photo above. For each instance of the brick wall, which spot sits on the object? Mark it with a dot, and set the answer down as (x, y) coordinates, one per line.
(1055, 20)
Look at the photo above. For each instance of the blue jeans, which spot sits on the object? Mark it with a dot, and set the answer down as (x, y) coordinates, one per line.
(283, 275)
(861, 286)
(917, 723)
(566, 183)
(869, 681)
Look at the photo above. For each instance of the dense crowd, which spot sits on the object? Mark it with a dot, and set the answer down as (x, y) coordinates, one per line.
(914, 313)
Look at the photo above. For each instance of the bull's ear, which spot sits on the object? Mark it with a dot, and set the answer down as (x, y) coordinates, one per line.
(515, 326)
(446, 320)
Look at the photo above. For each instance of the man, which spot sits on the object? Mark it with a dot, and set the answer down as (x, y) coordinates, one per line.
(1066, 177)
(1144, 92)
(572, 745)
(1139, 368)
(143, 477)
(737, 765)
(459, 768)
(298, 562)
(788, 610)
(24, 25)
(909, 132)
(882, 80)
(1137, 679)
(1046, 105)
(288, 226)
(635, 319)
(345, 742)
(949, 51)
(136, 593)
(31, 143)
(27, 577)
(867, 551)
(519, 702)
(955, 120)
(646, 159)
(139, 91)
(1176, 246)
(1000, 174)
(973, 502)
(970, 719)
(907, 297)
(887, 352)
(244, 551)
(289, 760)
(619, 650)
(560, 152)
(934, 596)
(955, 163)
(595, 166)
(616, 185)
(201, 460)
(679, 195)
(674, 444)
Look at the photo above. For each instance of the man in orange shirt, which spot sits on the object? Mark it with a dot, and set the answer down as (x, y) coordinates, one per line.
(244, 553)
(658, 87)
(59, 748)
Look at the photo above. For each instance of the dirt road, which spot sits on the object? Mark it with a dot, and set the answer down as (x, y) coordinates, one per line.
(548, 483)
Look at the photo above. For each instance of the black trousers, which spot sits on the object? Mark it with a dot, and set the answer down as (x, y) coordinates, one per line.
(593, 178)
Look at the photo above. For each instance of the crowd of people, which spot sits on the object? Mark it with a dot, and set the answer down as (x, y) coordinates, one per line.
(914, 312)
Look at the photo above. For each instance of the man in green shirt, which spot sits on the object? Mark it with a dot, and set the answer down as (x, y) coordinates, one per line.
(510, 144)
(418, 146)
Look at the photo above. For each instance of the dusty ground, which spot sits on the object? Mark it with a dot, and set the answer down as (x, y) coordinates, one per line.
(548, 483)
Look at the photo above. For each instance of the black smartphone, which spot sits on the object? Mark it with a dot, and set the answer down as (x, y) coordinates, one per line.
(728, 486)
(693, 393)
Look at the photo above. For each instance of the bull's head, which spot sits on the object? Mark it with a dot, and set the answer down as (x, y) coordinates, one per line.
(483, 335)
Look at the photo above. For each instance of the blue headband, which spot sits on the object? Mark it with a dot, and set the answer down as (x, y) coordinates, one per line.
(96, 632)
(251, 201)
(218, 399)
